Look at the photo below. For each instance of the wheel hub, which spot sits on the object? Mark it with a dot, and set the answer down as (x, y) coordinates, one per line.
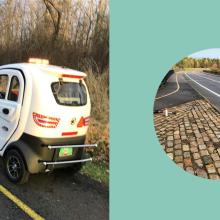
(14, 167)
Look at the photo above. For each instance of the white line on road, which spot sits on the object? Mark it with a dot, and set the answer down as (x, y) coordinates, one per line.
(203, 86)
(176, 90)
(208, 78)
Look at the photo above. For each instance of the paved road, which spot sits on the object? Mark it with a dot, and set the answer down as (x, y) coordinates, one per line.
(59, 195)
(185, 93)
(207, 84)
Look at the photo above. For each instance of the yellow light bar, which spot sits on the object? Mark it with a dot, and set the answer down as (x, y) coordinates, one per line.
(38, 61)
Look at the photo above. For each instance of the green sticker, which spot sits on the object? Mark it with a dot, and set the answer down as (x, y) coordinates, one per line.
(65, 152)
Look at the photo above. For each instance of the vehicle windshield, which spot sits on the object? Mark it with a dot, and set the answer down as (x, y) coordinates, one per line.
(69, 93)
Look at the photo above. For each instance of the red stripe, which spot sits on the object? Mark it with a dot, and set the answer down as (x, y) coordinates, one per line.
(69, 133)
(47, 122)
(72, 76)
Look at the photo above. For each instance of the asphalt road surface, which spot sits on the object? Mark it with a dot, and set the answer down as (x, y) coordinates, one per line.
(207, 84)
(59, 195)
(185, 93)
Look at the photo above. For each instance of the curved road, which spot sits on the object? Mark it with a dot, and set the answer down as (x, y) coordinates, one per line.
(176, 96)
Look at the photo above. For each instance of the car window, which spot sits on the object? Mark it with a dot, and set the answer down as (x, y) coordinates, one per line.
(69, 93)
(14, 89)
(3, 86)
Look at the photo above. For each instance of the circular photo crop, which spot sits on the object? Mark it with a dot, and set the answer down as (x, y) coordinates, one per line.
(187, 113)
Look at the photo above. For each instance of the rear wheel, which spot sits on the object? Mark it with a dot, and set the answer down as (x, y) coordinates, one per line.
(15, 168)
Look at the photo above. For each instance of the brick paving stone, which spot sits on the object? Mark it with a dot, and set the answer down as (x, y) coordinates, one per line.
(186, 154)
(187, 162)
(199, 163)
(200, 141)
(215, 140)
(176, 132)
(211, 168)
(207, 159)
(202, 147)
(169, 143)
(169, 149)
(217, 164)
(214, 176)
(176, 137)
(204, 152)
(183, 137)
(206, 139)
(198, 135)
(194, 149)
(211, 150)
(177, 141)
(185, 147)
(178, 152)
(178, 159)
(170, 138)
(201, 173)
(177, 146)
(215, 156)
(196, 156)
(193, 144)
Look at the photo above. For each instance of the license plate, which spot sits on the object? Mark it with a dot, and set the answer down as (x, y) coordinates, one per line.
(64, 152)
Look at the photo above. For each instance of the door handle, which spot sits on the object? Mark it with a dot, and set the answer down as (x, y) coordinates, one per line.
(4, 128)
(5, 111)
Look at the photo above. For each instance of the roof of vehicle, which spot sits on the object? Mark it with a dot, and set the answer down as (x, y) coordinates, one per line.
(46, 68)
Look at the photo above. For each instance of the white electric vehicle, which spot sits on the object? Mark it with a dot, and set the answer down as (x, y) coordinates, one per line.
(44, 117)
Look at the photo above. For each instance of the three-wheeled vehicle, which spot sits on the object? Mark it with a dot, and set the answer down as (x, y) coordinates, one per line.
(44, 117)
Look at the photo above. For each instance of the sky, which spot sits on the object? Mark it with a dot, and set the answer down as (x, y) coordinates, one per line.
(209, 53)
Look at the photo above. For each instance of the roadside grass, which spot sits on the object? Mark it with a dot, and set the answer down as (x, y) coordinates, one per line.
(212, 70)
(98, 132)
(189, 69)
(96, 171)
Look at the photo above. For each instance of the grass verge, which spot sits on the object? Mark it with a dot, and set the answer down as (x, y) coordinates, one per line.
(97, 171)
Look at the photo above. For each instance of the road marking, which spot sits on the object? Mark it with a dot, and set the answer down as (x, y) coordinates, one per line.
(209, 79)
(203, 86)
(20, 204)
(176, 90)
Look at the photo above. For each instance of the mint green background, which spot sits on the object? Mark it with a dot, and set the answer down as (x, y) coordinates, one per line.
(147, 37)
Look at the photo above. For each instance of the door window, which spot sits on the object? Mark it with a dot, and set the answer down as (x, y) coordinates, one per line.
(13, 93)
(3, 86)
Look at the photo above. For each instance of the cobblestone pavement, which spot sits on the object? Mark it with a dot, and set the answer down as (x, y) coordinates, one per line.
(190, 136)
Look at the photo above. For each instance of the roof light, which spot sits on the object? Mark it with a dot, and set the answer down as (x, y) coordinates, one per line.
(38, 61)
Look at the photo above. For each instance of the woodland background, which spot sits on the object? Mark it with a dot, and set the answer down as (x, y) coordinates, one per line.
(71, 33)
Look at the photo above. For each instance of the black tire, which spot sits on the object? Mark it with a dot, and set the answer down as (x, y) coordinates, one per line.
(15, 167)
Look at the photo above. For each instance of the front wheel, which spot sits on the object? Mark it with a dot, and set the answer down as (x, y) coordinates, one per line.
(15, 168)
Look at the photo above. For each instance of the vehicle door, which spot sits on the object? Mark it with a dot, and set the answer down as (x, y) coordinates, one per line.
(11, 95)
